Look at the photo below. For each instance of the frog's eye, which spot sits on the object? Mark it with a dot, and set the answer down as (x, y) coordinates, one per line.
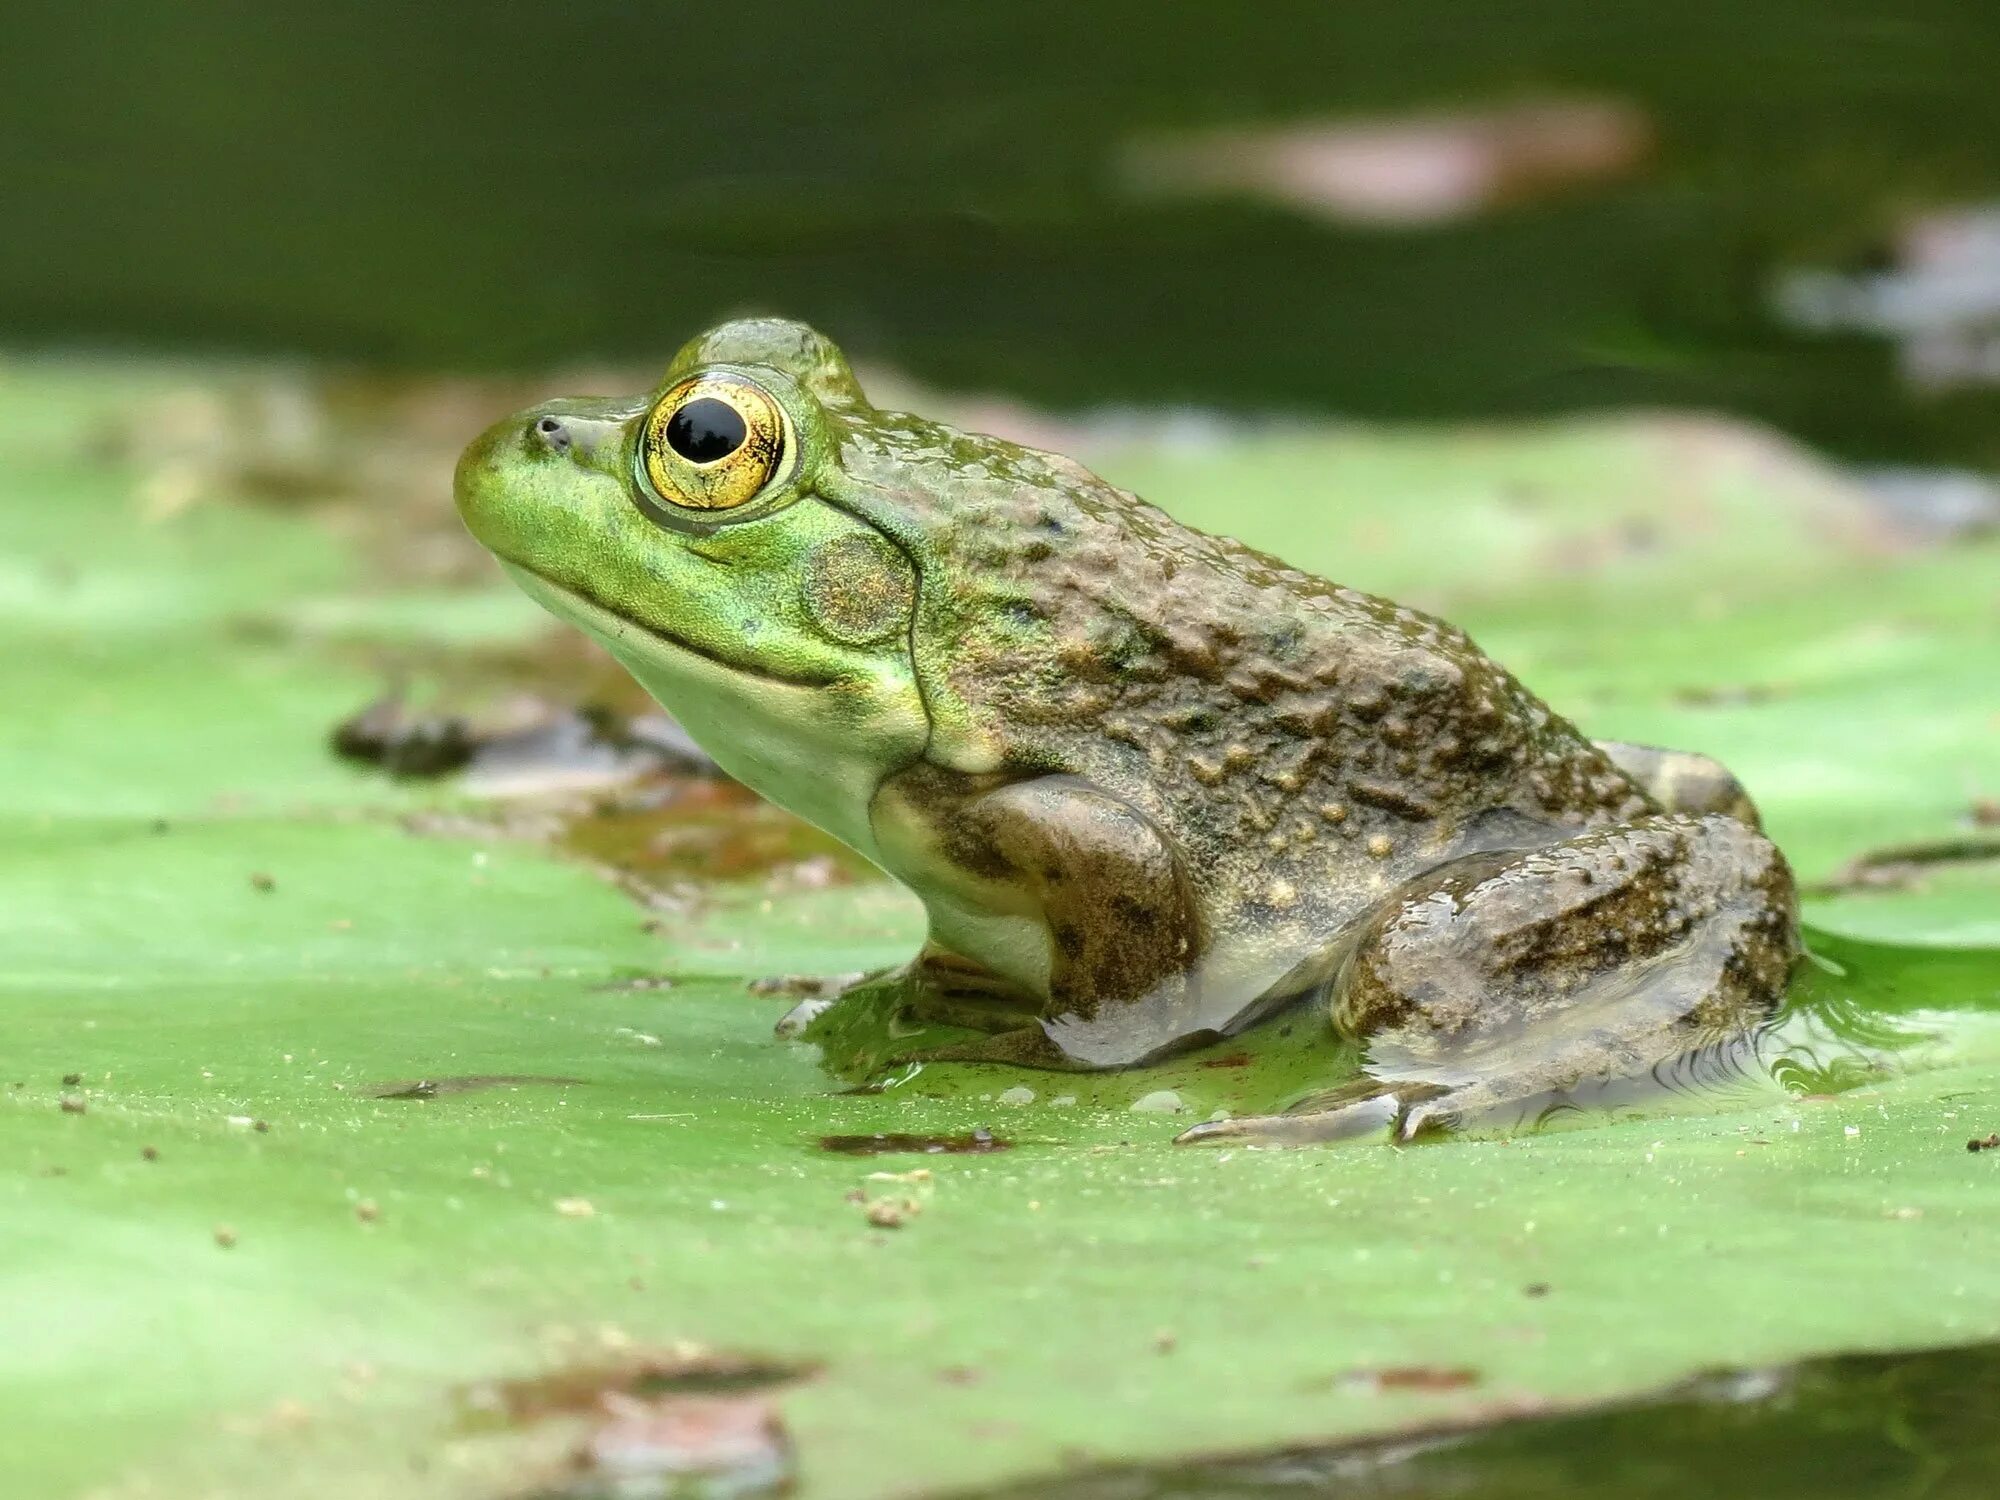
(714, 442)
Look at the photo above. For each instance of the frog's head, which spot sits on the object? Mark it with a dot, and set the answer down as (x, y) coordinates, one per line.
(690, 532)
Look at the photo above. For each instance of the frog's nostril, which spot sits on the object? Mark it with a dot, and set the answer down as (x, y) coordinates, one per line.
(551, 433)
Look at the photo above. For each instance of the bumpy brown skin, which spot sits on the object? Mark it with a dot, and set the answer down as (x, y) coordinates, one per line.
(1213, 775)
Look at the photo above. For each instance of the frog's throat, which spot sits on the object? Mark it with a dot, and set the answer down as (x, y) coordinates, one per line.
(619, 633)
(771, 733)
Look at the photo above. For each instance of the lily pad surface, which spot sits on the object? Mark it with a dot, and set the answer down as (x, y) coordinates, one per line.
(358, 1137)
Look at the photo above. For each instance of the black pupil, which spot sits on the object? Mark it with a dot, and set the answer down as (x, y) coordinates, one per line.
(706, 429)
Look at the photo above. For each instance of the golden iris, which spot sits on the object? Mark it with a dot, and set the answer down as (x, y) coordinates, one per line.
(714, 442)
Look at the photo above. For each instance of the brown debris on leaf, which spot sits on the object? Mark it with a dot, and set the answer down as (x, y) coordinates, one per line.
(1401, 1379)
(679, 1370)
(1730, 695)
(1984, 1143)
(889, 1143)
(518, 744)
(1898, 867)
(890, 1213)
(804, 986)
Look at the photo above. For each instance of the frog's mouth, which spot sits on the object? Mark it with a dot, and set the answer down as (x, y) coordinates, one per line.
(809, 743)
(625, 637)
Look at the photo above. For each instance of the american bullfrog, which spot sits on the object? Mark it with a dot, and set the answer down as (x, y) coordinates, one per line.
(1149, 784)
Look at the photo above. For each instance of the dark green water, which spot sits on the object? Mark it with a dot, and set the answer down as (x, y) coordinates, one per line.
(1905, 1427)
(506, 183)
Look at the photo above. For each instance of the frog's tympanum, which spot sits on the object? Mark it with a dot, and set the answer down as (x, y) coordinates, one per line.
(1149, 784)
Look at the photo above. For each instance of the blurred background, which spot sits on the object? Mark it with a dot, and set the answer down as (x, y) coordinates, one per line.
(1788, 209)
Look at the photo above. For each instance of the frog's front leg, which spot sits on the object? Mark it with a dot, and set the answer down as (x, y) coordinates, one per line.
(1062, 927)
(1503, 986)
(1110, 890)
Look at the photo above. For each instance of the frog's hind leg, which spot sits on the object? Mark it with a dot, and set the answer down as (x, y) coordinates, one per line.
(1683, 781)
(1503, 987)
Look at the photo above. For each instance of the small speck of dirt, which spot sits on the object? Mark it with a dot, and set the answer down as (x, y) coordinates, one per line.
(367, 1211)
(1166, 1341)
(1535, 1289)
(1984, 1143)
(149, 1153)
(1233, 1060)
(973, 1143)
(1986, 812)
(73, 1104)
(225, 1236)
(960, 1375)
(71, 1080)
(433, 1088)
(262, 1127)
(260, 881)
(1411, 1378)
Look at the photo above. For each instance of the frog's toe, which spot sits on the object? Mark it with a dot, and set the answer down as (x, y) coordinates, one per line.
(793, 1023)
(1380, 1111)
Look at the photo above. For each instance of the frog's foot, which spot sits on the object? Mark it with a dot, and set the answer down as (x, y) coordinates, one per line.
(822, 995)
(1362, 1110)
(936, 1008)
(1502, 988)
(935, 988)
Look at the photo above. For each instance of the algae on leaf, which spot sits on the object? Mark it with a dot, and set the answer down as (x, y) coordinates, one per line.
(242, 1255)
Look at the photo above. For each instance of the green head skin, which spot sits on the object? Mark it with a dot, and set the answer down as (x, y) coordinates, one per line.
(776, 628)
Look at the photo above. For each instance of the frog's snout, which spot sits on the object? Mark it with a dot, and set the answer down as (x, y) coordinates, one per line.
(537, 461)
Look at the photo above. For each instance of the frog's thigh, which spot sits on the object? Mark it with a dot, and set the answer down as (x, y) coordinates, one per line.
(1682, 781)
(1111, 888)
(1503, 979)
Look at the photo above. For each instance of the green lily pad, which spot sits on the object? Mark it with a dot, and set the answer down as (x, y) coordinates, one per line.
(328, 1105)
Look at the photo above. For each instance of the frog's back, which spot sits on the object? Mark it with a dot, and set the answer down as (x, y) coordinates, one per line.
(1281, 724)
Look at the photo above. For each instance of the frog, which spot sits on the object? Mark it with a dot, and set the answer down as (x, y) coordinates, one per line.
(1152, 786)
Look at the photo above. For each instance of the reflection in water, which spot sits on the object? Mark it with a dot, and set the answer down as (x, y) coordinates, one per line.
(1872, 1427)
